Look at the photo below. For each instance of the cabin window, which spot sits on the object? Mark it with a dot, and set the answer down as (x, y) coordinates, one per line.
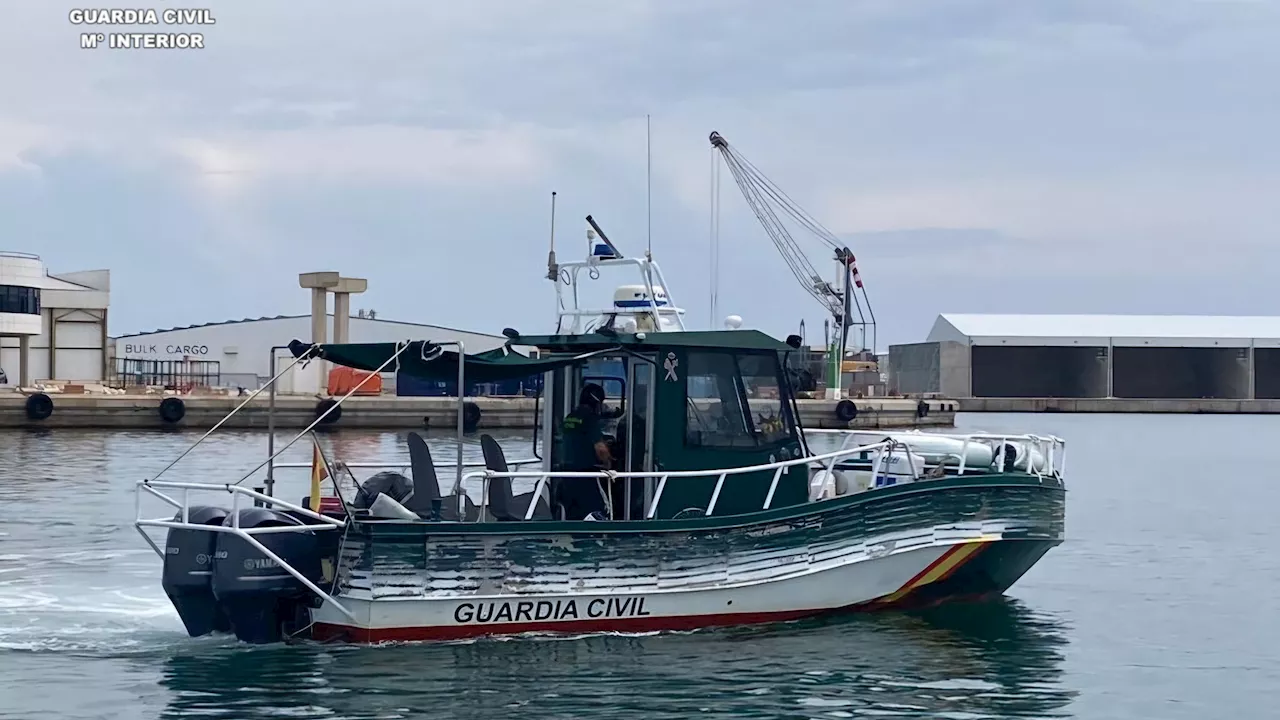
(768, 405)
(715, 415)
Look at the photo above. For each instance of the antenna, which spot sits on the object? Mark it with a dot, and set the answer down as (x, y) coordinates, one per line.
(552, 271)
(648, 182)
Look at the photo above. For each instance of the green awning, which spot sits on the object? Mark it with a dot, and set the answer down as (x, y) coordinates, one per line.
(426, 360)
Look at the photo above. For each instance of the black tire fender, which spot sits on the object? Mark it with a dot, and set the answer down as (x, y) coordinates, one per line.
(323, 406)
(846, 410)
(470, 416)
(172, 409)
(39, 406)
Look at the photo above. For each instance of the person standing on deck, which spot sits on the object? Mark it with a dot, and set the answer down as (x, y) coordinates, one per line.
(584, 451)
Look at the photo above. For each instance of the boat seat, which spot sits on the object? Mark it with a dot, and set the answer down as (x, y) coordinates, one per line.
(426, 487)
(503, 505)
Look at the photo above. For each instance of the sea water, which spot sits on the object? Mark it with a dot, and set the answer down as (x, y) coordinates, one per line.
(1161, 604)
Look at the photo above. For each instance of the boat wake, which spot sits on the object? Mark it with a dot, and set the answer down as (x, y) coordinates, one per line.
(59, 603)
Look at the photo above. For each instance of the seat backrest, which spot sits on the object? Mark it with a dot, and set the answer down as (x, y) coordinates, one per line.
(499, 488)
(426, 485)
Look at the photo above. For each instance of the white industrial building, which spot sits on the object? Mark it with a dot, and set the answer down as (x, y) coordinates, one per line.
(239, 352)
(1093, 356)
(52, 327)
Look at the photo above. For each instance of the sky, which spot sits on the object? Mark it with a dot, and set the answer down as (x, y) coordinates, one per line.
(1073, 156)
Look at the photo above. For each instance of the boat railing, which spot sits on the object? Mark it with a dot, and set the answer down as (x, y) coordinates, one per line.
(825, 461)
(403, 465)
(568, 307)
(1052, 448)
(183, 507)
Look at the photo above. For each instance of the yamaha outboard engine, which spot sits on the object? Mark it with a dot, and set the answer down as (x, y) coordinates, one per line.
(188, 572)
(262, 600)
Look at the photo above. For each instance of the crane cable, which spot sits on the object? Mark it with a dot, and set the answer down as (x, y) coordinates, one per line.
(756, 187)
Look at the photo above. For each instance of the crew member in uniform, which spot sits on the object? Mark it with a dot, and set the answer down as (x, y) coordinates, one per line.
(585, 450)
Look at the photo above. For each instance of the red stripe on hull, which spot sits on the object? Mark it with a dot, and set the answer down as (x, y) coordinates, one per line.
(324, 631)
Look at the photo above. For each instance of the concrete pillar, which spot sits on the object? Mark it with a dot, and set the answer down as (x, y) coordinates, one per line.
(1252, 370)
(24, 360)
(53, 346)
(341, 317)
(1111, 369)
(108, 352)
(319, 315)
(321, 284)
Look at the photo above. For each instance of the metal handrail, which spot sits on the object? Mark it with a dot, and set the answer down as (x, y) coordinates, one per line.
(246, 534)
(567, 273)
(544, 476)
(406, 463)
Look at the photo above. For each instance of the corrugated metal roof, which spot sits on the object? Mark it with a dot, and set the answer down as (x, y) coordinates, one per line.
(294, 317)
(1129, 326)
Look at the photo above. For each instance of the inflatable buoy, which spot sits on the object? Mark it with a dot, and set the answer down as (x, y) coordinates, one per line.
(922, 409)
(323, 406)
(172, 409)
(846, 410)
(470, 416)
(39, 406)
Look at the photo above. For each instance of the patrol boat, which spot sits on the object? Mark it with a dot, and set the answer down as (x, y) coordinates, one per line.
(720, 509)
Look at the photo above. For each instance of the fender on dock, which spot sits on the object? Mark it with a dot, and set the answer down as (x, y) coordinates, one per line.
(39, 406)
(323, 406)
(470, 416)
(846, 411)
(172, 409)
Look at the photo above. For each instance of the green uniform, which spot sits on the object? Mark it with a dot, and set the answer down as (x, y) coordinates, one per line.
(581, 433)
(580, 496)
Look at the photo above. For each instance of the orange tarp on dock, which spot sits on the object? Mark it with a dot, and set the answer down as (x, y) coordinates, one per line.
(342, 379)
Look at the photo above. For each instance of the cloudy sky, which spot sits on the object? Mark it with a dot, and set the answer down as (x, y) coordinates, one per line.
(977, 155)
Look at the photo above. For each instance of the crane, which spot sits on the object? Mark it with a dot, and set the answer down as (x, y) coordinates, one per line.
(841, 302)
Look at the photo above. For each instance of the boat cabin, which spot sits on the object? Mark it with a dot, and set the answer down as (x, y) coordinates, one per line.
(674, 401)
(678, 402)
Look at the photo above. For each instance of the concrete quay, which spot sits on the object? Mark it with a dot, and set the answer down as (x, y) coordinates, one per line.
(394, 413)
(1118, 405)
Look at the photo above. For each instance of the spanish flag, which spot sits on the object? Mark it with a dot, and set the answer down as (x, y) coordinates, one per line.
(318, 473)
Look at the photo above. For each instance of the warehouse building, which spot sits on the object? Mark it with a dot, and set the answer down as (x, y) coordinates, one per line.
(240, 352)
(52, 327)
(1093, 356)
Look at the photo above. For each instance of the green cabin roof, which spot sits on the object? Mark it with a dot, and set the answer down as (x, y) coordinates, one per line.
(689, 339)
(426, 360)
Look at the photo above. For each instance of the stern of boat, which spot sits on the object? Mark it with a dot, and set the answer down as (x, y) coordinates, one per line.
(236, 560)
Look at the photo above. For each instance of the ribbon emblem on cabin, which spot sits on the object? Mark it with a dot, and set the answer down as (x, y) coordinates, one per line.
(670, 367)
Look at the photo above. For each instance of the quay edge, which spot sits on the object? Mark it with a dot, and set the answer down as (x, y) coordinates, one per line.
(136, 412)
(1170, 406)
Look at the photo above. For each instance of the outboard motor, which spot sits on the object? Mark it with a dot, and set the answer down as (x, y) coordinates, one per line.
(262, 600)
(188, 572)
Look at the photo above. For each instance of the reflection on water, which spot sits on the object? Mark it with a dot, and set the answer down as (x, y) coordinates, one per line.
(994, 659)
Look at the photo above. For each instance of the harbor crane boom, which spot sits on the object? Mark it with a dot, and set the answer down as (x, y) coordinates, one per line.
(763, 197)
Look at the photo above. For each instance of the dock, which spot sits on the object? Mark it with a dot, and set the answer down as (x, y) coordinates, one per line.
(390, 412)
